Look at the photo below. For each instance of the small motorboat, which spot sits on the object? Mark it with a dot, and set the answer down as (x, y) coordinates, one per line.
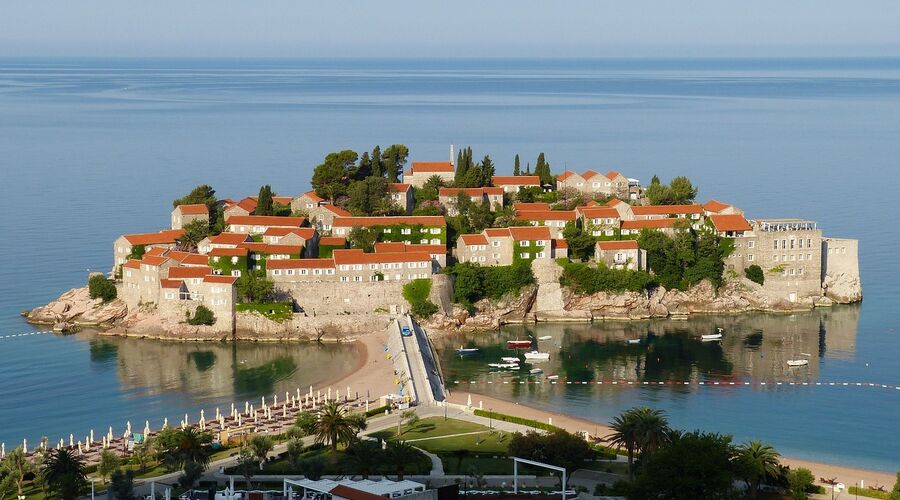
(545, 337)
(509, 359)
(537, 355)
(504, 366)
(518, 344)
(466, 351)
(797, 362)
(633, 341)
(535, 371)
(552, 377)
(710, 337)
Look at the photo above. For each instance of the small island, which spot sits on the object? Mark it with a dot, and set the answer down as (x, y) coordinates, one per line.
(455, 245)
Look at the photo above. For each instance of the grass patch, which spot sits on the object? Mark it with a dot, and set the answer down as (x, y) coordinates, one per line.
(866, 492)
(431, 427)
(516, 420)
(334, 463)
(276, 311)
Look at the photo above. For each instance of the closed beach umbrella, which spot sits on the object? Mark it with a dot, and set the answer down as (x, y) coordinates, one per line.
(2, 450)
(367, 406)
(232, 408)
(469, 401)
(263, 402)
(92, 435)
(284, 411)
(186, 421)
(109, 434)
(87, 444)
(146, 429)
(128, 427)
(165, 422)
(202, 416)
(246, 407)
(348, 393)
(217, 413)
(71, 440)
(275, 400)
(79, 448)
(25, 445)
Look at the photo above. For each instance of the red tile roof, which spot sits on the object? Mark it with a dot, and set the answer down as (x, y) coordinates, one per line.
(313, 196)
(248, 204)
(561, 243)
(715, 206)
(229, 238)
(542, 215)
(159, 251)
(475, 239)
(188, 272)
(516, 180)
(351, 493)
(332, 241)
(306, 233)
(424, 220)
(357, 256)
(565, 175)
(214, 278)
(188, 258)
(390, 246)
(282, 200)
(422, 247)
(336, 210)
(612, 174)
(649, 224)
(618, 245)
(266, 220)
(132, 264)
(734, 222)
(154, 260)
(590, 174)
(667, 209)
(161, 238)
(431, 166)
(614, 202)
(497, 232)
(270, 249)
(531, 206)
(228, 252)
(522, 233)
(300, 264)
(598, 212)
(198, 209)
(166, 283)
(399, 187)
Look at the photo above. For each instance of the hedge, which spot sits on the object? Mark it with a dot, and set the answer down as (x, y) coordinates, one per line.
(416, 293)
(376, 411)
(516, 420)
(585, 279)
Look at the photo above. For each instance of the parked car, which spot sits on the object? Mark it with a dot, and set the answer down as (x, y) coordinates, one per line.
(405, 331)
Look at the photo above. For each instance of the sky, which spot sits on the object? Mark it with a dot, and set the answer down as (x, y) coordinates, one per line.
(459, 28)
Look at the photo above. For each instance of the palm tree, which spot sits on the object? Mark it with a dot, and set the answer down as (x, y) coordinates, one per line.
(362, 457)
(185, 446)
(64, 474)
(652, 430)
(624, 435)
(334, 426)
(261, 446)
(15, 467)
(757, 461)
(400, 454)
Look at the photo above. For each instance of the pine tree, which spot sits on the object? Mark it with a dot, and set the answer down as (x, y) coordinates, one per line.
(487, 171)
(264, 203)
(528, 168)
(364, 169)
(516, 166)
(377, 163)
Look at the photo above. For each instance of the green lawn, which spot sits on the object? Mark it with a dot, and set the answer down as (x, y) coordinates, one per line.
(277, 311)
(334, 464)
(431, 427)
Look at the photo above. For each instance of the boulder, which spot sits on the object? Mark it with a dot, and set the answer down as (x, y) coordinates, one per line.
(842, 288)
(77, 306)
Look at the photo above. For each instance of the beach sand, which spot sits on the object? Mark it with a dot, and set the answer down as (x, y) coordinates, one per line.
(848, 475)
(374, 372)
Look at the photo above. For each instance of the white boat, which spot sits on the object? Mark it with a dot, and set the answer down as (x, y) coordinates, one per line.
(462, 351)
(504, 366)
(552, 377)
(633, 341)
(509, 359)
(797, 362)
(536, 355)
(711, 337)
(545, 337)
(535, 371)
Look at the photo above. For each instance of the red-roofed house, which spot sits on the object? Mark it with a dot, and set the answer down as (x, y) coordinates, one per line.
(522, 206)
(493, 196)
(717, 207)
(185, 214)
(222, 240)
(632, 228)
(623, 254)
(244, 207)
(306, 237)
(513, 183)
(730, 225)
(600, 221)
(504, 246)
(420, 171)
(322, 217)
(425, 229)
(258, 224)
(438, 252)
(124, 244)
(556, 220)
(306, 202)
(402, 196)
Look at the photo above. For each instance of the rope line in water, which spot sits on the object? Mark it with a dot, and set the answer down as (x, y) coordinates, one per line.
(26, 334)
(677, 383)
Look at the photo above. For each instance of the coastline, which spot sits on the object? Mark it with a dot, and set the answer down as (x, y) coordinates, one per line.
(850, 476)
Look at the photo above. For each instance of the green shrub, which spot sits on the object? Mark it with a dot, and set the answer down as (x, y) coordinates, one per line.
(755, 273)
(474, 282)
(374, 412)
(416, 293)
(101, 288)
(866, 492)
(585, 279)
(516, 420)
(275, 311)
(202, 316)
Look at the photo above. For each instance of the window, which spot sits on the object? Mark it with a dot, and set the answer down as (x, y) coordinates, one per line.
(495, 256)
(435, 230)
(800, 257)
(357, 278)
(776, 244)
(800, 243)
(387, 230)
(236, 272)
(170, 295)
(751, 244)
(373, 266)
(808, 243)
(425, 264)
(792, 271)
(406, 230)
(595, 233)
(800, 271)
(304, 272)
(276, 272)
(423, 241)
(216, 258)
(474, 259)
(317, 272)
(495, 243)
(793, 257)
(345, 279)
(290, 272)
(524, 255)
(234, 260)
(435, 241)
(809, 256)
(481, 259)
(540, 243)
(775, 256)
(128, 274)
(792, 243)
(329, 271)
(525, 243)
(750, 257)
(540, 255)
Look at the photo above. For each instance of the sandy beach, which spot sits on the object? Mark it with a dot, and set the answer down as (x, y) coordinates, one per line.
(848, 475)
(374, 372)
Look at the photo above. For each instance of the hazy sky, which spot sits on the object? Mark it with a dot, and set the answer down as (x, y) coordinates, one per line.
(463, 28)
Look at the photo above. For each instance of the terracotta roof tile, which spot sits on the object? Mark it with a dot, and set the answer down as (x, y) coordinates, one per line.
(332, 241)
(589, 174)
(715, 206)
(214, 278)
(132, 264)
(154, 260)
(598, 212)
(516, 180)
(228, 252)
(336, 210)
(313, 196)
(399, 187)
(307, 233)
(733, 222)
(531, 206)
(167, 283)
(188, 272)
(618, 245)
(431, 166)
(474, 239)
(522, 233)
(229, 238)
(198, 209)
(561, 243)
(266, 220)
(542, 215)
(167, 236)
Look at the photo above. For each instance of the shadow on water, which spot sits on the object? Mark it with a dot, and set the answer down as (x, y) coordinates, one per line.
(262, 379)
(103, 351)
(203, 360)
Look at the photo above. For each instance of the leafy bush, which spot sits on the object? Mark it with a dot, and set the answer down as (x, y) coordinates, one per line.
(202, 316)
(276, 311)
(866, 492)
(687, 258)
(755, 273)
(416, 293)
(101, 288)
(474, 282)
(585, 279)
(376, 411)
(557, 447)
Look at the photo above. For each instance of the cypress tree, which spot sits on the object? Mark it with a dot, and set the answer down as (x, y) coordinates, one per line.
(264, 203)
(516, 166)
(364, 169)
(377, 164)
(461, 169)
(487, 171)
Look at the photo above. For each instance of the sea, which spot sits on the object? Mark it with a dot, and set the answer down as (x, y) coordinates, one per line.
(94, 148)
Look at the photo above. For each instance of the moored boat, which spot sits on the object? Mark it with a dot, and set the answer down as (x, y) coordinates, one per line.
(552, 377)
(504, 366)
(465, 351)
(545, 337)
(711, 337)
(633, 341)
(535, 371)
(518, 344)
(537, 355)
(509, 359)
(797, 362)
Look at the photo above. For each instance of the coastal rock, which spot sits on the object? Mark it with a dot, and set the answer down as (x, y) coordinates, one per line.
(512, 308)
(63, 327)
(842, 288)
(77, 306)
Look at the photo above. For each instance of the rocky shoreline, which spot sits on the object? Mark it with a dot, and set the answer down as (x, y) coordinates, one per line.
(545, 301)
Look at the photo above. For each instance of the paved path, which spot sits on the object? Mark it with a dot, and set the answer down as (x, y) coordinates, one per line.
(447, 436)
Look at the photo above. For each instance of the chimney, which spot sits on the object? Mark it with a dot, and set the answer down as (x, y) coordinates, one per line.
(452, 160)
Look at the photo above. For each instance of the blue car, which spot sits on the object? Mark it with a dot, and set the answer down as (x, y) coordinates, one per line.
(405, 331)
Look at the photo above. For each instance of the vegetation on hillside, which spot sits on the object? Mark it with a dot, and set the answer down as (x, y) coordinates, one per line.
(679, 191)
(361, 184)
(587, 279)
(416, 293)
(202, 316)
(474, 282)
(682, 261)
(99, 287)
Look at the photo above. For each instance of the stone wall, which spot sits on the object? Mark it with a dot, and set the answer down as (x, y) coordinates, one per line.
(323, 298)
(840, 270)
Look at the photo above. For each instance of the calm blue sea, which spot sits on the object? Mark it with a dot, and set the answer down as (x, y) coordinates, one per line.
(90, 149)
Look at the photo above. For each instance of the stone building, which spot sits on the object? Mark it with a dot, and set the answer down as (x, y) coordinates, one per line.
(840, 270)
(258, 224)
(305, 202)
(402, 196)
(438, 252)
(492, 196)
(222, 240)
(353, 266)
(247, 206)
(623, 254)
(599, 221)
(424, 229)
(185, 214)
(504, 246)
(596, 184)
(513, 183)
(420, 171)
(555, 220)
(124, 244)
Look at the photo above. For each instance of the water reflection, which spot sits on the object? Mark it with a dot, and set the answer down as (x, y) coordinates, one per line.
(221, 370)
(754, 347)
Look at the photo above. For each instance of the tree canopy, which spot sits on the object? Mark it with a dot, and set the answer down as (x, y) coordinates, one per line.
(680, 191)
(254, 287)
(330, 178)
(394, 159)
(542, 170)
(264, 203)
(369, 196)
(203, 194)
(687, 258)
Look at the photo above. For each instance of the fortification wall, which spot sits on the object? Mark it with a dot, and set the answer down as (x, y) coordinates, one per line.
(325, 298)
